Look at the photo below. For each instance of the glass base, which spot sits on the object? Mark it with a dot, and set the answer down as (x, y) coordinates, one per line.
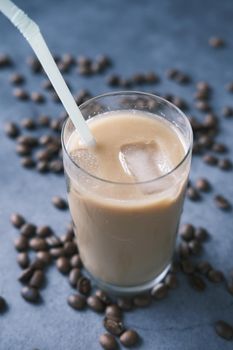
(127, 291)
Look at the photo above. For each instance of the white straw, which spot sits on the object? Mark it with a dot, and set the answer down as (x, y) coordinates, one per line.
(31, 32)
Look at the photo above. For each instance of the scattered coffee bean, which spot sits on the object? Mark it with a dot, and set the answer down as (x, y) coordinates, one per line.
(113, 326)
(84, 285)
(42, 167)
(171, 281)
(23, 150)
(57, 252)
(203, 106)
(227, 111)
(193, 194)
(37, 279)
(159, 291)
(23, 260)
(103, 296)
(142, 300)
(53, 241)
(43, 120)
(56, 166)
(26, 274)
(203, 267)
(108, 342)
(38, 264)
(202, 185)
(215, 276)
(21, 94)
(26, 140)
(197, 283)
(5, 61)
(219, 148)
(129, 338)
(183, 250)
(28, 230)
(27, 162)
(125, 304)
(114, 312)
(172, 73)
(195, 247)
(11, 129)
(17, 220)
(44, 231)
(59, 203)
(201, 234)
(76, 261)
(63, 265)
(34, 64)
(224, 330)
(77, 301)
(44, 256)
(37, 97)
(187, 267)
(225, 164)
(70, 248)
(74, 276)
(30, 294)
(95, 303)
(21, 243)
(113, 80)
(209, 159)
(222, 202)
(38, 244)
(186, 232)
(3, 304)
(216, 42)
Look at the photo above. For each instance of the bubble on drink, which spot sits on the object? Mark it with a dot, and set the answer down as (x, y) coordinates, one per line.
(86, 160)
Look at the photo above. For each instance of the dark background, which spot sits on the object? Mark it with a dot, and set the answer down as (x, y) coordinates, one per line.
(139, 36)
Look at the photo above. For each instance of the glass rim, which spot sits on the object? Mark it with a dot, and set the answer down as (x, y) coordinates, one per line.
(127, 92)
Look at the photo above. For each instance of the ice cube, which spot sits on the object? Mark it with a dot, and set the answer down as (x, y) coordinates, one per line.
(86, 159)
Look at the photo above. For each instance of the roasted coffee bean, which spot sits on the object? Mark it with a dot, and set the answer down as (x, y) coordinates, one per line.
(193, 194)
(95, 303)
(42, 167)
(201, 234)
(74, 276)
(172, 73)
(125, 83)
(27, 162)
(113, 326)
(63, 265)
(28, 230)
(125, 304)
(76, 261)
(222, 202)
(103, 296)
(53, 241)
(108, 342)
(57, 252)
(114, 312)
(28, 123)
(43, 155)
(21, 243)
(17, 220)
(224, 330)
(178, 102)
(227, 111)
(68, 59)
(84, 61)
(186, 231)
(37, 279)
(68, 236)
(85, 70)
(45, 139)
(77, 301)
(63, 67)
(23, 150)
(205, 141)
(44, 256)
(203, 86)
(159, 291)
(104, 60)
(56, 166)
(197, 283)
(195, 247)
(171, 281)
(151, 78)
(21, 94)
(47, 85)
(30, 294)
(84, 285)
(183, 250)
(138, 78)
(113, 80)
(59, 203)
(3, 304)
(203, 106)
(215, 276)
(187, 267)
(23, 260)
(38, 264)
(142, 300)
(202, 95)
(26, 274)
(43, 120)
(203, 267)
(44, 231)
(38, 244)
(182, 78)
(216, 42)
(219, 148)
(225, 164)
(27, 140)
(34, 64)
(209, 159)
(5, 61)
(202, 185)
(11, 129)
(129, 338)
(70, 248)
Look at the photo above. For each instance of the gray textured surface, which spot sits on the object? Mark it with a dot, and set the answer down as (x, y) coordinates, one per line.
(139, 36)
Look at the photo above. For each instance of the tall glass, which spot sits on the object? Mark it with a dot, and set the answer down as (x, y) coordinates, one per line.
(126, 243)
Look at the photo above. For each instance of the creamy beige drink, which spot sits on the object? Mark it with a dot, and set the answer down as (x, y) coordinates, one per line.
(124, 209)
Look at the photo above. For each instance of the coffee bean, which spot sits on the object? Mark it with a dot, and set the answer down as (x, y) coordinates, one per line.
(27, 140)
(23, 260)
(44, 256)
(178, 102)
(193, 194)
(229, 87)
(28, 230)
(23, 150)
(3, 305)
(44, 155)
(187, 267)
(224, 330)
(37, 279)
(125, 304)
(44, 231)
(28, 123)
(215, 276)
(129, 338)
(222, 202)
(68, 59)
(27, 162)
(219, 148)
(47, 85)
(113, 80)
(70, 248)
(95, 303)
(84, 285)
(103, 296)
(182, 78)
(186, 232)
(113, 312)
(34, 64)
(21, 243)
(43, 120)
(42, 167)
(201, 234)
(26, 274)
(227, 111)
(151, 78)
(125, 83)
(38, 244)
(209, 159)
(17, 220)
(77, 301)
(172, 73)
(197, 283)
(183, 250)
(216, 42)
(74, 275)
(57, 252)
(159, 291)
(115, 327)
(203, 86)
(63, 265)
(202, 95)
(203, 267)
(225, 164)
(5, 61)
(11, 129)
(38, 264)
(63, 67)
(85, 70)
(171, 281)
(203, 106)
(30, 294)
(59, 203)
(56, 166)
(76, 261)
(108, 342)
(195, 247)
(21, 94)
(142, 300)
(202, 185)
(53, 241)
